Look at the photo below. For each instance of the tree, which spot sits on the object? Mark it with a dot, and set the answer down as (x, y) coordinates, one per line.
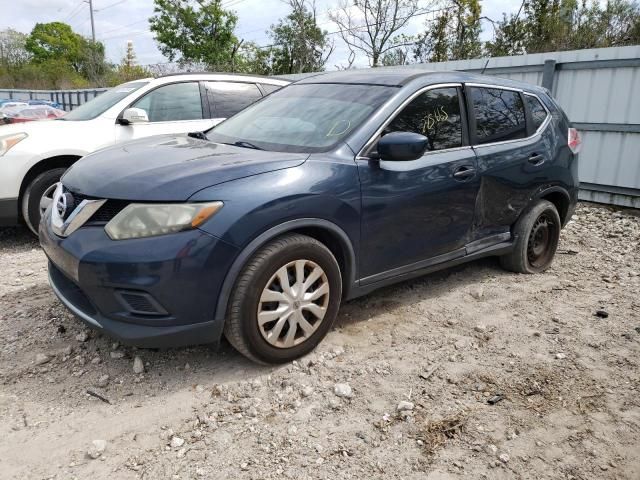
(401, 54)
(201, 33)
(544, 26)
(57, 42)
(299, 45)
(453, 35)
(370, 25)
(12, 48)
(129, 59)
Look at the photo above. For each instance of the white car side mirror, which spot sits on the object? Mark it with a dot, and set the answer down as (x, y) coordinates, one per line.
(134, 115)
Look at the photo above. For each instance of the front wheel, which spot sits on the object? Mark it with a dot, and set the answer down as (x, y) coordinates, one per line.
(285, 300)
(537, 234)
(38, 195)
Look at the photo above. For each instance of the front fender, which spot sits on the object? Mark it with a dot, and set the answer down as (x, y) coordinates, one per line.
(318, 194)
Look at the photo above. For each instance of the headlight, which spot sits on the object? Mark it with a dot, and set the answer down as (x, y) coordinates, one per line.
(148, 219)
(9, 141)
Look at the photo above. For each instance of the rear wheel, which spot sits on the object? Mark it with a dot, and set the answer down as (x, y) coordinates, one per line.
(38, 195)
(285, 300)
(537, 235)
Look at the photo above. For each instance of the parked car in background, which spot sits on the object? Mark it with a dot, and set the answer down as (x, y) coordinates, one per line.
(28, 113)
(34, 155)
(330, 188)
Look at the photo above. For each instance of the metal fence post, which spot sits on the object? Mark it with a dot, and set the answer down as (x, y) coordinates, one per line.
(548, 74)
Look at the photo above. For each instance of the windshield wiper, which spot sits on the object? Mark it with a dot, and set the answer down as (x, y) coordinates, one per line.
(242, 143)
(198, 135)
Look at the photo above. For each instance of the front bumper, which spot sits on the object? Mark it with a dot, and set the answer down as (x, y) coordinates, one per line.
(149, 292)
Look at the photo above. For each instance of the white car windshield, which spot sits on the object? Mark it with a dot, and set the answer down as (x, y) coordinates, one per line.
(103, 102)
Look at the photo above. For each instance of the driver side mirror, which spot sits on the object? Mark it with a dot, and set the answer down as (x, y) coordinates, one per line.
(402, 146)
(134, 115)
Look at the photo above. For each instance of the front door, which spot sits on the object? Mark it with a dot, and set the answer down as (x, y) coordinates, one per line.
(416, 210)
(174, 108)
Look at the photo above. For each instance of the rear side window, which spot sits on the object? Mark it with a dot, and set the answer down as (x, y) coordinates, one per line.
(228, 98)
(499, 114)
(538, 112)
(435, 114)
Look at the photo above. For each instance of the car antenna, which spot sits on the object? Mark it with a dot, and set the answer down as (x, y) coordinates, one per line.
(485, 66)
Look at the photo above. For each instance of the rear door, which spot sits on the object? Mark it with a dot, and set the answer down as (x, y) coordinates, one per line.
(228, 98)
(513, 157)
(171, 108)
(415, 211)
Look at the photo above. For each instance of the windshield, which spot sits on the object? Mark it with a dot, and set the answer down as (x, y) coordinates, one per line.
(303, 118)
(103, 102)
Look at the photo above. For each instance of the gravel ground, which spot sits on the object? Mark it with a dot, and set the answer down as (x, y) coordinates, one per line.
(470, 372)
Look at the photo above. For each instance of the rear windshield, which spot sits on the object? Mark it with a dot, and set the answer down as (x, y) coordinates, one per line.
(103, 102)
(303, 118)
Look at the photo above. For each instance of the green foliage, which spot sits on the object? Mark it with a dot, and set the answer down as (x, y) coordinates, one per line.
(202, 33)
(453, 35)
(12, 48)
(544, 26)
(299, 45)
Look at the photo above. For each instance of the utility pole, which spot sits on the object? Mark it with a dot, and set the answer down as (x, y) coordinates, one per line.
(93, 28)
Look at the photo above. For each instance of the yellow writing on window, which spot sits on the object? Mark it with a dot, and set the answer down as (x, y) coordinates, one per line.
(432, 118)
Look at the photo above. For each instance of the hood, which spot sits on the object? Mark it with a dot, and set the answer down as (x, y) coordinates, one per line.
(168, 168)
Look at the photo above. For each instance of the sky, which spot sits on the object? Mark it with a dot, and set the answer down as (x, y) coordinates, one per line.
(117, 21)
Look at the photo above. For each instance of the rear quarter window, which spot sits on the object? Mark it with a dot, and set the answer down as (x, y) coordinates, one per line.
(537, 111)
(499, 114)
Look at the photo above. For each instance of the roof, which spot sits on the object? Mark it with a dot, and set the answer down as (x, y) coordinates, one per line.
(400, 76)
(370, 76)
(226, 76)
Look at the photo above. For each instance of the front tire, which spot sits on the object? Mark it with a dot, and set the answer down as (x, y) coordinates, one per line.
(285, 300)
(537, 234)
(38, 195)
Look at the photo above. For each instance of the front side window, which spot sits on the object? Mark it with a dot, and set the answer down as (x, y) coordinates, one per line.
(499, 114)
(434, 114)
(537, 111)
(303, 118)
(228, 98)
(172, 103)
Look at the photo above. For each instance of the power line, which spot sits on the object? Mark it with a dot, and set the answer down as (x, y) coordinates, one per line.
(109, 6)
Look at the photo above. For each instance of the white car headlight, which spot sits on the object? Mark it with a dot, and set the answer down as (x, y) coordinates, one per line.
(139, 220)
(9, 141)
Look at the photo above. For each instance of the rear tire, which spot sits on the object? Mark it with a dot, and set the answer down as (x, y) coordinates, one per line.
(32, 200)
(537, 234)
(285, 300)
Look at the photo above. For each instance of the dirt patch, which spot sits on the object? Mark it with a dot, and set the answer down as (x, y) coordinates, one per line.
(508, 376)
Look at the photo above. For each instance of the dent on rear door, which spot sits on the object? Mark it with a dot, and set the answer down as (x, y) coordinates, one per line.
(508, 180)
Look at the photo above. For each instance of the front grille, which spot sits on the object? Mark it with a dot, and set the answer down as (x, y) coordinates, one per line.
(107, 211)
(104, 214)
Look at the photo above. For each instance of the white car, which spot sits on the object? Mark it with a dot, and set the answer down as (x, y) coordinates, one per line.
(34, 155)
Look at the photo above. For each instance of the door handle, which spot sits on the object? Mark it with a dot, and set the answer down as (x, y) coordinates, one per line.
(464, 173)
(536, 159)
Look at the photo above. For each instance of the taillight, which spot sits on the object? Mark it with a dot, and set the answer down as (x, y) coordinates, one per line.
(574, 141)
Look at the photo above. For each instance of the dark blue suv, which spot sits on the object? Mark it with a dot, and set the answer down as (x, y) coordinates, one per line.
(323, 191)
